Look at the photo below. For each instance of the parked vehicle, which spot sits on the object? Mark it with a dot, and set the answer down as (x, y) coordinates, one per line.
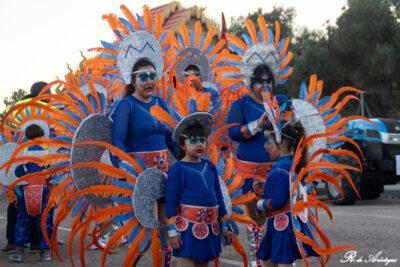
(380, 144)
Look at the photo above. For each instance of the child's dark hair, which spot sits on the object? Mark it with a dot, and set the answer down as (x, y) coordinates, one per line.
(192, 130)
(130, 88)
(259, 71)
(34, 131)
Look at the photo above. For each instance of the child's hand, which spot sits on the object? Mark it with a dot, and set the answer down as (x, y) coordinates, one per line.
(175, 242)
(228, 235)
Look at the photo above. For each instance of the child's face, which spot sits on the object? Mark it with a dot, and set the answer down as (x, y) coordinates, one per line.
(271, 147)
(195, 146)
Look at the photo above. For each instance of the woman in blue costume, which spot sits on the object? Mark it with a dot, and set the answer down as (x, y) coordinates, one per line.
(195, 205)
(279, 246)
(252, 162)
(260, 63)
(134, 129)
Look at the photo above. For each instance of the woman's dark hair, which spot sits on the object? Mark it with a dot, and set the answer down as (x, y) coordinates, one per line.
(192, 67)
(34, 131)
(192, 130)
(259, 71)
(130, 88)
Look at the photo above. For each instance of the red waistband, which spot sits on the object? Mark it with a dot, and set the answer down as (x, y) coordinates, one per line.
(248, 169)
(275, 213)
(158, 159)
(198, 214)
(38, 181)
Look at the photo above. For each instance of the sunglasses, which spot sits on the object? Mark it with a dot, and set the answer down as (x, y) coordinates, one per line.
(187, 74)
(196, 140)
(263, 82)
(144, 76)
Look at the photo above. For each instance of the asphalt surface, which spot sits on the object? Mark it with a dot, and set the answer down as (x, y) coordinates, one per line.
(372, 226)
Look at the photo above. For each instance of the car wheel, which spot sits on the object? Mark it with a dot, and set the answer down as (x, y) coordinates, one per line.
(349, 196)
(370, 189)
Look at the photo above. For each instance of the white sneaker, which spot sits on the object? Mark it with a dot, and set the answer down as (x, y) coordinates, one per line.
(102, 242)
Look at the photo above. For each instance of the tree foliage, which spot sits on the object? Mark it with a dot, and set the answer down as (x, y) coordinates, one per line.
(16, 96)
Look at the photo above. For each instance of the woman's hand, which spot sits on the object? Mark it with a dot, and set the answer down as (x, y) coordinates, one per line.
(175, 242)
(262, 121)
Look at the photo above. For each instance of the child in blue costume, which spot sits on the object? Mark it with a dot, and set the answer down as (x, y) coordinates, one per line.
(278, 247)
(194, 202)
(31, 201)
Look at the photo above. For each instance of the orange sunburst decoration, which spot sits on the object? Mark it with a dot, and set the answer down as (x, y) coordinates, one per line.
(195, 50)
(320, 115)
(256, 48)
(324, 129)
(84, 95)
(136, 37)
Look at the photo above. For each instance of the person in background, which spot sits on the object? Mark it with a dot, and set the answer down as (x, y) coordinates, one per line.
(12, 211)
(31, 201)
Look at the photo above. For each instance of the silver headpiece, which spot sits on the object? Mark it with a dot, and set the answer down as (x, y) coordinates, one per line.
(137, 46)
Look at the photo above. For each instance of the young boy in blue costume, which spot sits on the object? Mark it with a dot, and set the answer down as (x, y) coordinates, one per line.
(279, 247)
(31, 201)
(194, 203)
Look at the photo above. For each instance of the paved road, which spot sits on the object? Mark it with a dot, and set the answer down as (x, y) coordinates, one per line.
(373, 226)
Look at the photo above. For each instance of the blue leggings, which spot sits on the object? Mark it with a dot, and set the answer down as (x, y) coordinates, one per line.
(23, 224)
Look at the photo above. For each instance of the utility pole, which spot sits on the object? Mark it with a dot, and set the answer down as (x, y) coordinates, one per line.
(362, 104)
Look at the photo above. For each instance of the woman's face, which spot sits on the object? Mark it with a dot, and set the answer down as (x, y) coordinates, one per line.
(144, 82)
(260, 83)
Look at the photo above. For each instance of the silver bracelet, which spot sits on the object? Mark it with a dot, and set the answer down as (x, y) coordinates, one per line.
(260, 205)
(253, 127)
(173, 233)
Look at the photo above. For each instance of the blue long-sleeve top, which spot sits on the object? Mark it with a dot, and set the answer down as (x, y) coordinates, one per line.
(134, 129)
(29, 167)
(193, 184)
(251, 148)
(277, 185)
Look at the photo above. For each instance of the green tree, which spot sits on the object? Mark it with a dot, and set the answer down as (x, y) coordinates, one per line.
(16, 96)
(359, 51)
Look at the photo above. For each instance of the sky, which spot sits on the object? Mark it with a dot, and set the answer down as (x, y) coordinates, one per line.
(38, 38)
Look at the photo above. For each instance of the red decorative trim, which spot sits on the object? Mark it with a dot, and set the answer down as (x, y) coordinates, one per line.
(181, 224)
(215, 228)
(281, 222)
(33, 199)
(200, 231)
(258, 187)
